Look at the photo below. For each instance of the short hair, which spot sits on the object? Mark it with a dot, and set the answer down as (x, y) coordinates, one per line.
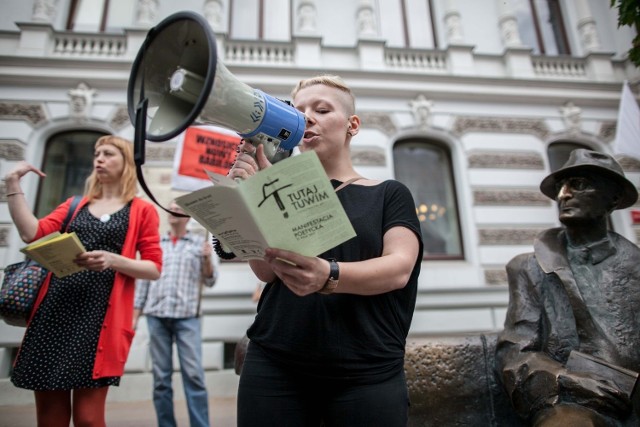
(330, 80)
(128, 181)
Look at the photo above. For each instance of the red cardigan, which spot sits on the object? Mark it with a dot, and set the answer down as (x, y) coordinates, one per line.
(117, 333)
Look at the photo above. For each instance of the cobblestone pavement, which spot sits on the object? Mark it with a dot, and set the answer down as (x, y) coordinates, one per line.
(222, 413)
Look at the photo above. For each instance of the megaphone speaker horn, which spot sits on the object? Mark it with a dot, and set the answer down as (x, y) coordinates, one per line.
(177, 71)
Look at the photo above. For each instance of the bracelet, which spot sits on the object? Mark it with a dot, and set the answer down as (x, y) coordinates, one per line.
(13, 194)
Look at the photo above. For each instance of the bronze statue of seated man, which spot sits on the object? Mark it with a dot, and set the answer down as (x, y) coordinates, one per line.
(569, 354)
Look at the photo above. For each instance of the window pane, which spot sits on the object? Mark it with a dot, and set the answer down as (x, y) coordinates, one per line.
(68, 161)
(526, 25)
(425, 169)
(559, 153)
(546, 27)
(121, 14)
(552, 27)
(88, 15)
(543, 30)
(245, 20)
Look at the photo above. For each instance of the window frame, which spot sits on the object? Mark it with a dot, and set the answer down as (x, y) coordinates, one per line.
(48, 195)
(73, 12)
(445, 149)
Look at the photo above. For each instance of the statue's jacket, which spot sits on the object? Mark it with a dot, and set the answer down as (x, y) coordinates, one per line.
(548, 316)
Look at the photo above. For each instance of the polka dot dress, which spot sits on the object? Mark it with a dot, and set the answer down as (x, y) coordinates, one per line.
(59, 346)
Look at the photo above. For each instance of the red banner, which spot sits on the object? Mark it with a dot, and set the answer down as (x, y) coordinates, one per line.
(635, 216)
(205, 149)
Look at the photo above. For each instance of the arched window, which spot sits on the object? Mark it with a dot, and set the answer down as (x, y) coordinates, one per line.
(68, 161)
(559, 152)
(425, 168)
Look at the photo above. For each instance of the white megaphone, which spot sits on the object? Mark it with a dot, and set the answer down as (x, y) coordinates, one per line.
(178, 78)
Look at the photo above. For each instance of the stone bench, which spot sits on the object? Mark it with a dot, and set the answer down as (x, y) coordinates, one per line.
(451, 382)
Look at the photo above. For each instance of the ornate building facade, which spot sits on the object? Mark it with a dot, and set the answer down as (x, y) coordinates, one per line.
(468, 102)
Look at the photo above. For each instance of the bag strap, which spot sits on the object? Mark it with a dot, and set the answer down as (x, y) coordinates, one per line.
(347, 182)
(72, 209)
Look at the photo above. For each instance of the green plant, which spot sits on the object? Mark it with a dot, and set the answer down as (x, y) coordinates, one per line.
(629, 15)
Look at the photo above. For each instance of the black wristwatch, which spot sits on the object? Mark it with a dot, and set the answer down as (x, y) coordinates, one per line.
(332, 281)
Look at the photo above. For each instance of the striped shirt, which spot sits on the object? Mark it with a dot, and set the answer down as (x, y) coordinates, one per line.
(176, 293)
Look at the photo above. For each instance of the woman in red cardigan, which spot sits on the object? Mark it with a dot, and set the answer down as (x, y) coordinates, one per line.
(80, 331)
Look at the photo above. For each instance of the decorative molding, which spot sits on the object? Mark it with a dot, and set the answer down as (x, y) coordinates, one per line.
(146, 12)
(509, 31)
(4, 235)
(379, 121)
(32, 113)
(120, 118)
(629, 164)
(306, 17)
(508, 236)
(366, 22)
(360, 156)
(468, 124)
(510, 198)
(453, 27)
(44, 11)
(421, 108)
(159, 152)
(589, 35)
(572, 117)
(11, 149)
(607, 131)
(368, 156)
(213, 11)
(495, 276)
(81, 101)
(505, 160)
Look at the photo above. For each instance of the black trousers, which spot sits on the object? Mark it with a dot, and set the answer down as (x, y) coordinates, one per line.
(269, 394)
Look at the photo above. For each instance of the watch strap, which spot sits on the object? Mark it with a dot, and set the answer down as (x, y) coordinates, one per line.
(332, 281)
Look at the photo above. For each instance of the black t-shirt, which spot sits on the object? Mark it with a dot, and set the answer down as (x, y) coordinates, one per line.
(344, 335)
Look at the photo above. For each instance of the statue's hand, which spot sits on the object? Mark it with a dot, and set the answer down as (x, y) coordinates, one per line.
(594, 392)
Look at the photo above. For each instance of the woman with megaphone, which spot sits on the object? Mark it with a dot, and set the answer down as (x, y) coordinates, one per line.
(327, 344)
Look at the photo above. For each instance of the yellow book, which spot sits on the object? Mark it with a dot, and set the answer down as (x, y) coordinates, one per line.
(56, 252)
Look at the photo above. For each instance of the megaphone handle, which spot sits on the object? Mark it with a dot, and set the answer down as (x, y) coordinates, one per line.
(270, 150)
(140, 137)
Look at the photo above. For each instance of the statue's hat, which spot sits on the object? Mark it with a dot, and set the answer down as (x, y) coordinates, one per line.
(582, 160)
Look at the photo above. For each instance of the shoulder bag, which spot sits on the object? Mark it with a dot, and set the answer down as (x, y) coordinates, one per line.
(22, 281)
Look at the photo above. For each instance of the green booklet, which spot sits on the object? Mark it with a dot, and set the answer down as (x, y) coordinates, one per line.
(291, 205)
(56, 252)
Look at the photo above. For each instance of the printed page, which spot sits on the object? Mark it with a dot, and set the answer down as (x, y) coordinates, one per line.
(296, 206)
(291, 205)
(221, 210)
(56, 254)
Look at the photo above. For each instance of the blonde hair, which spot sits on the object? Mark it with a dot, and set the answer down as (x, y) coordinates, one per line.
(128, 180)
(330, 80)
